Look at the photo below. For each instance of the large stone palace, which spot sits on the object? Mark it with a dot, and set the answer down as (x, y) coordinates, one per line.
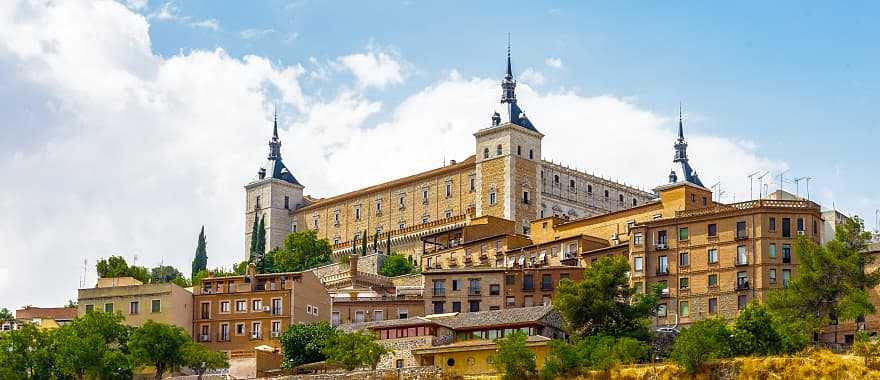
(507, 177)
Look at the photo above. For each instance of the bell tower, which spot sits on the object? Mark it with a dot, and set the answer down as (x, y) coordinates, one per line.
(272, 195)
(508, 154)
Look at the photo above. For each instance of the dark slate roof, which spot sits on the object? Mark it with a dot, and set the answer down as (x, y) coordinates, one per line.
(681, 168)
(495, 317)
(275, 169)
(516, 116)
(388, 323)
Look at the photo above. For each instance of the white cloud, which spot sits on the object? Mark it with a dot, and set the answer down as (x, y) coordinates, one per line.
(374, 68)
(136, 4)
(170, 12)
(555, 63)
(136, 151)
(532, 77)
(255, 33)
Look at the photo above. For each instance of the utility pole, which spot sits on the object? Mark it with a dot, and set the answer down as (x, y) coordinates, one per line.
(751, 181)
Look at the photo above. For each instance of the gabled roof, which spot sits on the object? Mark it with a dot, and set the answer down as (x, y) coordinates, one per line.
(504, 317)
(56, 313)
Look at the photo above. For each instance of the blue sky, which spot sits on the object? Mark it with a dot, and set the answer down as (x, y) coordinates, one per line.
(798, 79)
(129, 125)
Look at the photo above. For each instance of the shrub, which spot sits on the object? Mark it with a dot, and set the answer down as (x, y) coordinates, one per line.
(513, 359)
(703, 341)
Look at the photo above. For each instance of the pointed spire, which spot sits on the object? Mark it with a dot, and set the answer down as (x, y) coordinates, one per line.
(275, 129)
(508, 85)
(275, 142)
(509, 75)
(680, 124)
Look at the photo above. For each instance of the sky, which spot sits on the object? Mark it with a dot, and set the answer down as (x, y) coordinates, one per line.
(127, 126)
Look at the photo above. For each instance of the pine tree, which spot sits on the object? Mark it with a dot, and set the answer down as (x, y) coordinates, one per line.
(200, 261)
(376, 242)
(388, 245)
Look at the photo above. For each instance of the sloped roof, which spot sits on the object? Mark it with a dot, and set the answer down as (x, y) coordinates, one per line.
(503, 317)
(56, 313)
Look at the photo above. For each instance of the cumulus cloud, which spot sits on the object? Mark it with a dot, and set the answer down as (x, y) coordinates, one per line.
(532, 77)
(555, 63)
(374, 68)
(122, 151)
(136, 4)
(170, 12)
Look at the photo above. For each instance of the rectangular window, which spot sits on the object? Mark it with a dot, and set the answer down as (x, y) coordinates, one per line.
(402, 313)
(224, 306)
(474, 306)
(108, 307)
(772, 276)
(206, 310)
(742, 280)
(286, 202)
(713, 256)
(662, 265)
(741, 258)
(335, 318)
(528, 301)
(473, 185)
(772, 252)
(474, 286)
(637, 239)
(525, 197)
(448, 190)
(241, 306)
(639, 287)
(378, 315)
(257, 305)
(661, 310)
(712, 229)
(257, 330)
(455, 286)
(357, 213)
(224, 332)
(492, 198)
(713, 305)
(786, 277)
(683, 309)
(134, 307)
(800, 225)
(742, 301)
(638, 263)
(683, 283)
(772, 224)
(661, 237)
(276, 306)
(683, 233)
(684, 259)
(425, 196)
(786, 254)
(510, 301)
(90, 308)
(528, 283)
(741, 232)
(713, 280)
(239, 329)
(510, 279)
(439, 288)
(494, 289)
(156, 306)
(438, 307)
(546, 282)
(786, 227)
(276, 328)
(359, 316)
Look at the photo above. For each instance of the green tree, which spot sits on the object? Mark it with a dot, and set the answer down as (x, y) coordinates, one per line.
(300, 251)
(364, 243)
(255, 237)
(164, 273)
(26, 353)
(116, 266)
(353, 350)
(71, 304)
(201, 359)
(304, 343)
(261, 245)
(867, 348)
(604, 303)
(6, 315)
(755, 332)
(93, 344)
(200, 261)
(396, 265)
(158, 345)
(831, 281)
(512, 358)
(705, 340)
(564, 360)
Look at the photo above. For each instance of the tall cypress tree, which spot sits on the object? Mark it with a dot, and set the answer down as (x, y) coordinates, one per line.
(255, 237)
(388, 245)
(376, 242)
(364, 244)
(261, 244)
(200, 261)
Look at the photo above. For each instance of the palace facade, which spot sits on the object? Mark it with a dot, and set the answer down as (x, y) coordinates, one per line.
(507, 177)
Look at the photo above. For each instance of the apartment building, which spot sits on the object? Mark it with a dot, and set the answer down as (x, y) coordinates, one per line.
(239, 313)
(139, 302)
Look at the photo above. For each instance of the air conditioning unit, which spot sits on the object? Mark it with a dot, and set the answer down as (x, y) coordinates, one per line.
(266, 308)
(801, 232)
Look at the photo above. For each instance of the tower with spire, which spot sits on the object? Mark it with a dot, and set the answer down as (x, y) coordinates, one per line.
(274, 193)
(681, 168)
(508, 160)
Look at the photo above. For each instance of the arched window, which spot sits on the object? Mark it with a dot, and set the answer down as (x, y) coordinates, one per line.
(486, 153)
(498, 150)
(518, 150)
(634, 202)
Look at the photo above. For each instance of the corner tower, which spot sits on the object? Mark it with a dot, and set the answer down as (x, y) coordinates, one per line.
(273, 194)
(508, 156)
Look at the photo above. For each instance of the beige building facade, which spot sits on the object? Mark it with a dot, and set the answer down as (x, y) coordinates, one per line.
(138, 302)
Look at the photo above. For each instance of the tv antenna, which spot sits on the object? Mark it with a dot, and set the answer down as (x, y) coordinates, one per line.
(761, 187)
(82, 279)
(718, 191)
(751, 182)
(782, 178)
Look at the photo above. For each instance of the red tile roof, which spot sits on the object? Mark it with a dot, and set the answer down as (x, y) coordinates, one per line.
(56, 313)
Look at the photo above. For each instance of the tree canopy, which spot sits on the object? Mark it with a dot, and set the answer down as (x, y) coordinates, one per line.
(353, 350)
(512, 358)
(158, 345)
(831, 280)
(300, 251)
(200, 260)
(116, 266)
(201, 359)
(396, 265)
(304, 343)
(603, 303)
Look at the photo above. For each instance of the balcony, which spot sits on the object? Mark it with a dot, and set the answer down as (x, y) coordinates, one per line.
(276, 311)
(742, 285)
(276, 334)
(662, 271)
(223, 338)
(742, 235)
(528, 288)
(741, 263)
(661, 247)
(786, 259)
(474, 292)
(439, 292)
(256, 336)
